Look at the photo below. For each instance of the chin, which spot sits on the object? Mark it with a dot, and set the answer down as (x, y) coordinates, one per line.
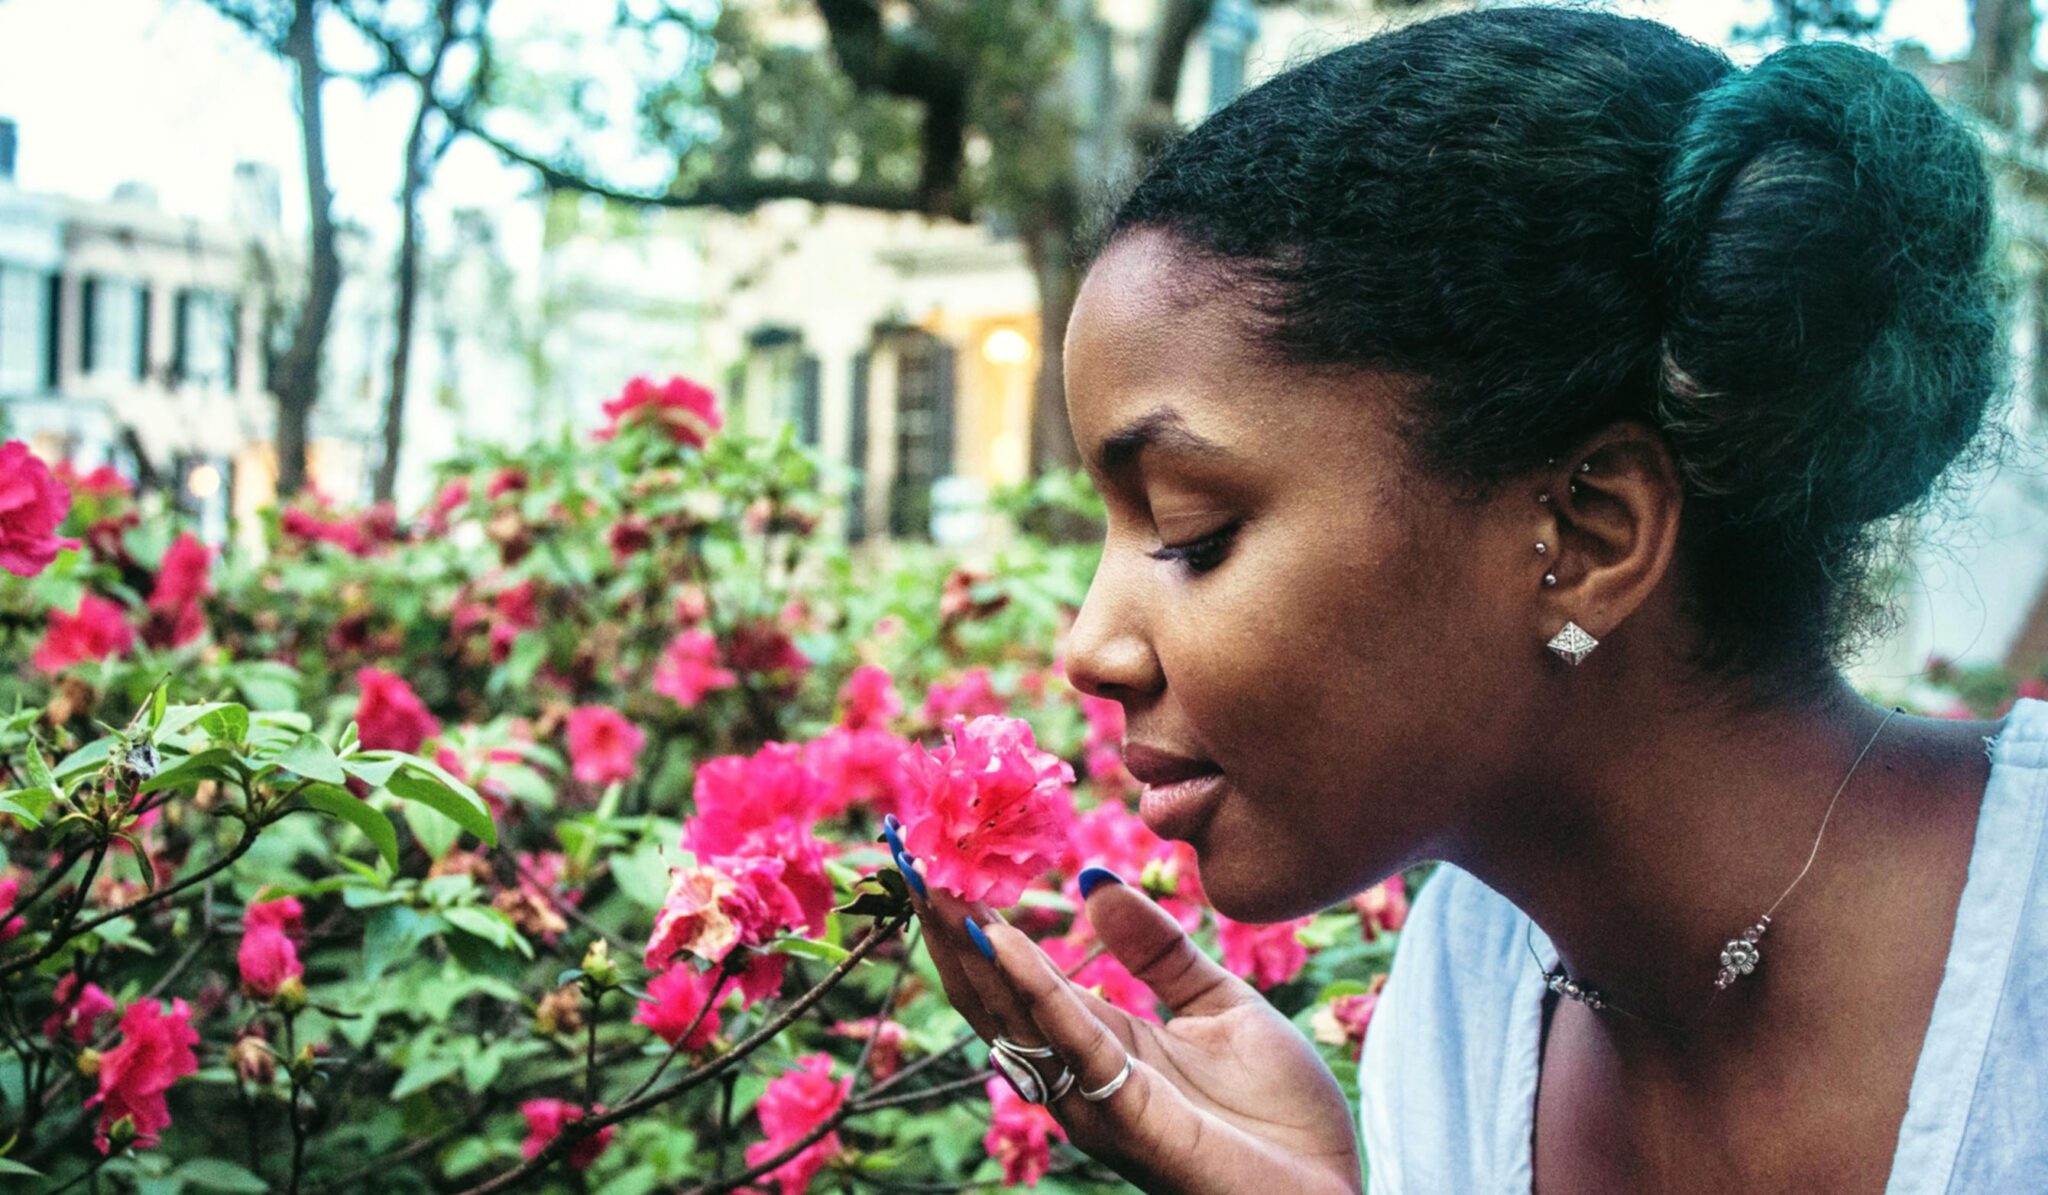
(1245, 887)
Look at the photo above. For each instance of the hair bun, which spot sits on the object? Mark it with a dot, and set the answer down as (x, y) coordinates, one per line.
(1830, 333)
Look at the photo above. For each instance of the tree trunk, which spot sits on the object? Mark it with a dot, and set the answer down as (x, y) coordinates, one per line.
(2001, 55)
(1049, 247)
(296, 385)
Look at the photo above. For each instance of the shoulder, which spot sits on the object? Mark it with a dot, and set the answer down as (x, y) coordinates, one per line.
(1452, 1032)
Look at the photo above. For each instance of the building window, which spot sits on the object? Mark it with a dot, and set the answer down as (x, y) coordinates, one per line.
(202, 343)
(924, 430)
(24, 329)
(787, 380)
(110, 327)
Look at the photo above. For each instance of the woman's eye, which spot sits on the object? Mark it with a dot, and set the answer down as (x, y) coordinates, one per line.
(1199, 555)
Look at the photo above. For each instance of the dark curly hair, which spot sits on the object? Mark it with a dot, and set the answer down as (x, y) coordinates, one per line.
(1557, 219)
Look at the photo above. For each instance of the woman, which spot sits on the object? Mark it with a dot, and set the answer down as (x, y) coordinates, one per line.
(1497, 420)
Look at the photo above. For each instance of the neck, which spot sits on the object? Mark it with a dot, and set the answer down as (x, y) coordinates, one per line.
(1663, 831)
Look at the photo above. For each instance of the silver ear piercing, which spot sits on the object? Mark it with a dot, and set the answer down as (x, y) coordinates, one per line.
(1573, 643)
(1541, 547)
(1550, 578)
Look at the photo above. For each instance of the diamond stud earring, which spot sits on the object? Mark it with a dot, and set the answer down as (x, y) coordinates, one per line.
(1573, 643)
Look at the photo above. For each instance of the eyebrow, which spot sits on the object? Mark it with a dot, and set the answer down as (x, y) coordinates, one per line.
(1161, 427)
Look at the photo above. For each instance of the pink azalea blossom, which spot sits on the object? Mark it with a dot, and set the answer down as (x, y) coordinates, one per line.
(1020, 1135)
(733, 904)
(689, 668)
(859, 767)
(32, 506)
(78, 1010)
(389, 715)
(1267, 955)
(764, 805)
(182, 581)
(869, 699)
(794, 1104)
(676, 996)
(970, 695)
(10, 891)
(98, 630)
(1382, 908)
(1343, 1021)
(988, 812)
(688, 411)
(155, 1051)
(545, 1120)
(887, 1052)
(767, 650)
(104, 481)
(269, 955)
(603, 745)
(1111, 836)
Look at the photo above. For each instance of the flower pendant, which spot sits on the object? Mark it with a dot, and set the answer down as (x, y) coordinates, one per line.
(1741, 955)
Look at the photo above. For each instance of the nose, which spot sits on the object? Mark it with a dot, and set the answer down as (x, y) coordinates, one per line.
(1109, 651)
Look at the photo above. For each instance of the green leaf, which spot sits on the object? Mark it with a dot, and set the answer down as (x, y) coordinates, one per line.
(824, 952)
(442, 793)
(214, 763)
(226, 723)
(27, 803)
(12, 1167)
(374, 772)
(215, 1174)
(434, 832)
(424, 1074)
(159, 701)
(490, 925)
(39, 775)
(312, 758)
(85, 759)
(341, 804)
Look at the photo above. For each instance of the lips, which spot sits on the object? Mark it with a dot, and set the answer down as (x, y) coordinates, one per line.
(1180, 791)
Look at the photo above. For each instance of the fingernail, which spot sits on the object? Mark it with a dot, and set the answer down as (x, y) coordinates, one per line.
(981, 942)
(911, 877)
(1092, 878)
(890, 823)
(891, 832)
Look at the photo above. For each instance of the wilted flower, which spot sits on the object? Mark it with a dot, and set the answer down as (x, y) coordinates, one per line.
(988, 812)
(712, 910)
(1020, 1135)
(1267, 955)
(545, 1120)
(1343, 1021)
(251, 1057)
(793, 1104)
(603, 745)
(389, 715)
(32, 505)
(1382, 908)
(689, 668)
(560, 1011)
(155, 1052)
(887, 1052)
(99, 629)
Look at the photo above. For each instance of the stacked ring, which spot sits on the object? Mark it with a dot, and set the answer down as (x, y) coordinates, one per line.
(1110, 1088)
(1014, 1061)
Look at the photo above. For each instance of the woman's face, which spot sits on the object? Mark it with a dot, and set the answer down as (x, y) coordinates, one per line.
(1322, 649)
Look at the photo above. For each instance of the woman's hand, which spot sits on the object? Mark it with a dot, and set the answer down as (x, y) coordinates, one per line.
(1226, 1097)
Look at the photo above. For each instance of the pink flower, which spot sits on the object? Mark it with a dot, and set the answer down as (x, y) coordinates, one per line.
(1111, 836)
(78, 1010)
(869, 699)
(970, 695)
(764, 806)
(794, 1104)
(10, 891)
(688, 411)
(677, 996)
(767, 650)
(887, 1052)
(629, 537)
(155, 1052)
(603, 745)
(988, 812)
(268, 955)
(98, 630)
(1382, 908)
(182, 581)
(509, 479)
(1268, 955)
(864, 767)
(689, 668)
(1105, 975)
(1020, 1135)
(103, 482)
(389, 715)
(32, 505)
(545, 1120)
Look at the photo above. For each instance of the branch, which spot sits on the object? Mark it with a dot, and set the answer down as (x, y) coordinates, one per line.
(909, 67)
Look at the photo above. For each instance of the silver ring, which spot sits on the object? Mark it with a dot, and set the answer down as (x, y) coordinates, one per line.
(1005, 1043)
(1110, 1088)
(1031, 1086)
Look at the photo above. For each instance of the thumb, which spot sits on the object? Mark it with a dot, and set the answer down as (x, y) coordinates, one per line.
(1154, 948)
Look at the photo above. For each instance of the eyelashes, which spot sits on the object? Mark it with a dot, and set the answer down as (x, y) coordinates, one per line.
(1199, 555)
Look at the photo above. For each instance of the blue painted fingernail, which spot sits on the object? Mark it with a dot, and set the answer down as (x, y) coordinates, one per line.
(890, 822)
(1092, 878)
(981, 942)
(895, 839)
(911, 877)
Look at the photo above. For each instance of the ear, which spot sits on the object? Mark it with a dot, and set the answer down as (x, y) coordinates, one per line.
(1612, 522)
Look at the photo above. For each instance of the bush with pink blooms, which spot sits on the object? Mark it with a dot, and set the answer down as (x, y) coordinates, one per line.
(530, 842)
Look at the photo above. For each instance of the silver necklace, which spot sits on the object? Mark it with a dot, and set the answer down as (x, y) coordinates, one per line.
(1741, 954)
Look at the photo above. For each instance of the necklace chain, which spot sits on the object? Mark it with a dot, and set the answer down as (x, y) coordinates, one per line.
(1741, 954)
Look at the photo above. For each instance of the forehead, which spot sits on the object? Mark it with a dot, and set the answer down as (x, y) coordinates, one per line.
(1153, 330)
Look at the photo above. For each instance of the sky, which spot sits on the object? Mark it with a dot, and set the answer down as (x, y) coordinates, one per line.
(167, 92)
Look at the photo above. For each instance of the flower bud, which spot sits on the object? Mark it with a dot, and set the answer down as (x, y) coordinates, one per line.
(89, 1062)
(302, 1065)
(291, 994)
(252, 1060)
(598, 964)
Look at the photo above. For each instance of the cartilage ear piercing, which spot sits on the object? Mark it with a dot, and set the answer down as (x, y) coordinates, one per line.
(1550, 578)
(1541, 547)
(1543, 497)
(1585, 466)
